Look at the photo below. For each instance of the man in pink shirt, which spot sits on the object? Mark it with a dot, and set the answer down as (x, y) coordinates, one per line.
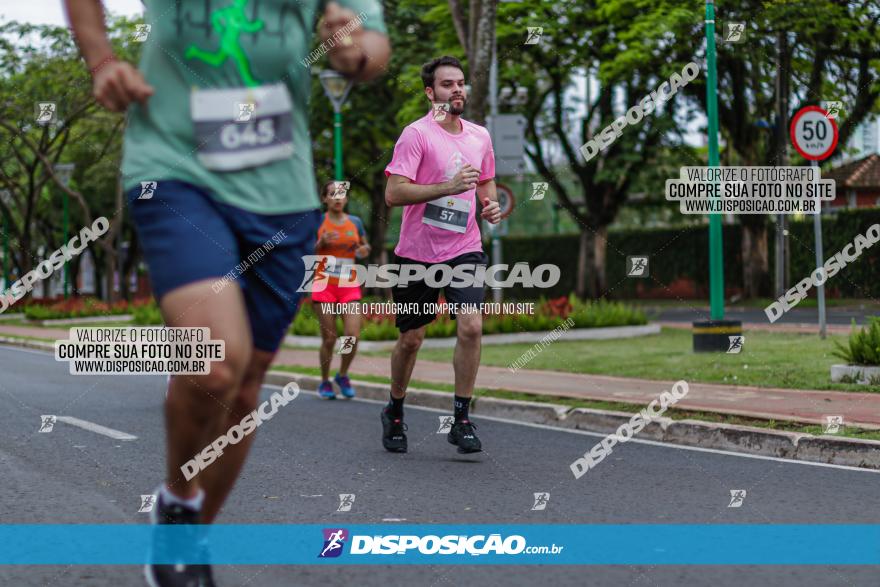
(441, 166)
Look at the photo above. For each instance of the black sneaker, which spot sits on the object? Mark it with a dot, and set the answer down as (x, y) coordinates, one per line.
(180, 574)
(393, 437)
(462, 435)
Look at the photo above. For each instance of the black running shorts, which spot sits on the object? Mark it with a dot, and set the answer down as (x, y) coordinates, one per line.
(418, 297)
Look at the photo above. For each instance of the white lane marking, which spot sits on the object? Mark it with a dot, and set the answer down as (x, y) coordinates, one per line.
(96, 428)
(635, 440)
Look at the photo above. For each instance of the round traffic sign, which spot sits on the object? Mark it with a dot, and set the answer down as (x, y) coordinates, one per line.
(814, 134)
(505, 199)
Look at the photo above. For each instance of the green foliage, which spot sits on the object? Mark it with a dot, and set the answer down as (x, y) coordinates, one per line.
(548, 315)
(863, 346)
(147, 315)
(75, 308)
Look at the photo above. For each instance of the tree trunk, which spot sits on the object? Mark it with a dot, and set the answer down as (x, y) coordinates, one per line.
(476, 37)
(592, 248)
(580, 285)
(600, 249)
(109, 273)
(756, 261)
(480, 61)
(380, 214)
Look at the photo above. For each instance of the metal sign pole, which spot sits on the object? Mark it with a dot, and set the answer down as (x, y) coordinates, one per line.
(820, 257)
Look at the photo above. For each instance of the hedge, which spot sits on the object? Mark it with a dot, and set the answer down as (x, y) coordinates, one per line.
(684, 253)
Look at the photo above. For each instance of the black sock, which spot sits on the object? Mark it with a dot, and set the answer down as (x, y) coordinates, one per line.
(461, 405)
(395, 407)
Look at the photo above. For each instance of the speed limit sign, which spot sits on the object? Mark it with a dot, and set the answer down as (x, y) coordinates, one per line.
(814, 134)
(815, 137)
(506, 201)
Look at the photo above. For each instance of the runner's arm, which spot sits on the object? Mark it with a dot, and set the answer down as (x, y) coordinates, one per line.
(115, 83)
(487, 194)
(361, 54)
(86, 18)
(373, 61)
(487, 190)
(401, 191)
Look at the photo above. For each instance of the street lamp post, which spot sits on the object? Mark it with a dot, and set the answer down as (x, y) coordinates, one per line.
(64, 171)
(336, 88)
(716, 334)
(4, 194)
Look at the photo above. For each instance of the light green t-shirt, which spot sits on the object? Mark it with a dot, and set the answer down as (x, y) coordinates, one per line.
(204, 46)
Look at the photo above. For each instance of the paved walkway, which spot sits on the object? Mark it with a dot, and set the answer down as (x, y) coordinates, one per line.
(761, 402)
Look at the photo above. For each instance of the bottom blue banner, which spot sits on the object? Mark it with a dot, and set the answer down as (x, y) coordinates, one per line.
(276, 544)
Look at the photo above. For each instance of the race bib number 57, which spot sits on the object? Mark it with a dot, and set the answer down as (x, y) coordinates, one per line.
(448, 213)
(237, 128)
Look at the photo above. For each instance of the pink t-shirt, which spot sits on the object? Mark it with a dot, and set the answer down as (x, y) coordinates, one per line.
(434, 232)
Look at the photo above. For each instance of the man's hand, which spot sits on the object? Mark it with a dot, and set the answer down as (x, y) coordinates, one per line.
(346, 55)
(117, 84)
(491, 211)
(464, 180)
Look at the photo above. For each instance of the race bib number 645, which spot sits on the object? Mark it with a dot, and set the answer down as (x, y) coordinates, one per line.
(237, 128)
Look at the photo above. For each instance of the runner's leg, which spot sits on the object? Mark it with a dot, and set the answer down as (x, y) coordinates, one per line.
(197, 404)
(466, 360)
(351, 324)
(218, 479)
(327, 323)
(403, 359)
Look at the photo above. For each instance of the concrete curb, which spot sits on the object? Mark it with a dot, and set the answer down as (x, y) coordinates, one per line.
(28, 344)
(611, 332)
(852, 452)
(862, 375)
(85, 320)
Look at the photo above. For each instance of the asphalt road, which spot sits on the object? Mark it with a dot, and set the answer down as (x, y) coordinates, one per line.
(313, 450)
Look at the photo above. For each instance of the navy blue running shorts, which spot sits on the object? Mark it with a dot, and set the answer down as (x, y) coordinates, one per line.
(187, 236)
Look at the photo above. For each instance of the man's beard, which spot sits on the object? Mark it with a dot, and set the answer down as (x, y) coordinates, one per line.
(455, 110)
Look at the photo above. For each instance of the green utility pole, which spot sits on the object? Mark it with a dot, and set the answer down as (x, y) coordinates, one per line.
(66, 222)
(715, 334)
(5, 252)
(337, 144)
(716, 250)
(336, 88)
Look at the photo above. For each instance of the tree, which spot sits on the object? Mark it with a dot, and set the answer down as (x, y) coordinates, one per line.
(41, 64)
(812, 50)
(580, 42)
(374, 117)
(475, 29)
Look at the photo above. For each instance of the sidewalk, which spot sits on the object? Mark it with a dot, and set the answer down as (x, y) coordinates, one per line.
(758, 402)
(809, 406)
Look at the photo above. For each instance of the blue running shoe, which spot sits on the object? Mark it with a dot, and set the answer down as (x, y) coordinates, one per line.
(325, 390)
(344, 384)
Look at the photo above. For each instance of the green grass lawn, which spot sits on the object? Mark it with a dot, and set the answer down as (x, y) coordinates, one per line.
(768, 359)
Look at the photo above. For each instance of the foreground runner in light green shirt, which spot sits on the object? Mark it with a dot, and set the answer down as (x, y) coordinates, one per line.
(242, 61)
(218, 132)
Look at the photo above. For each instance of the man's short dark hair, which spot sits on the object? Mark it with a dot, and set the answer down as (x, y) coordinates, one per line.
(430, 67)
